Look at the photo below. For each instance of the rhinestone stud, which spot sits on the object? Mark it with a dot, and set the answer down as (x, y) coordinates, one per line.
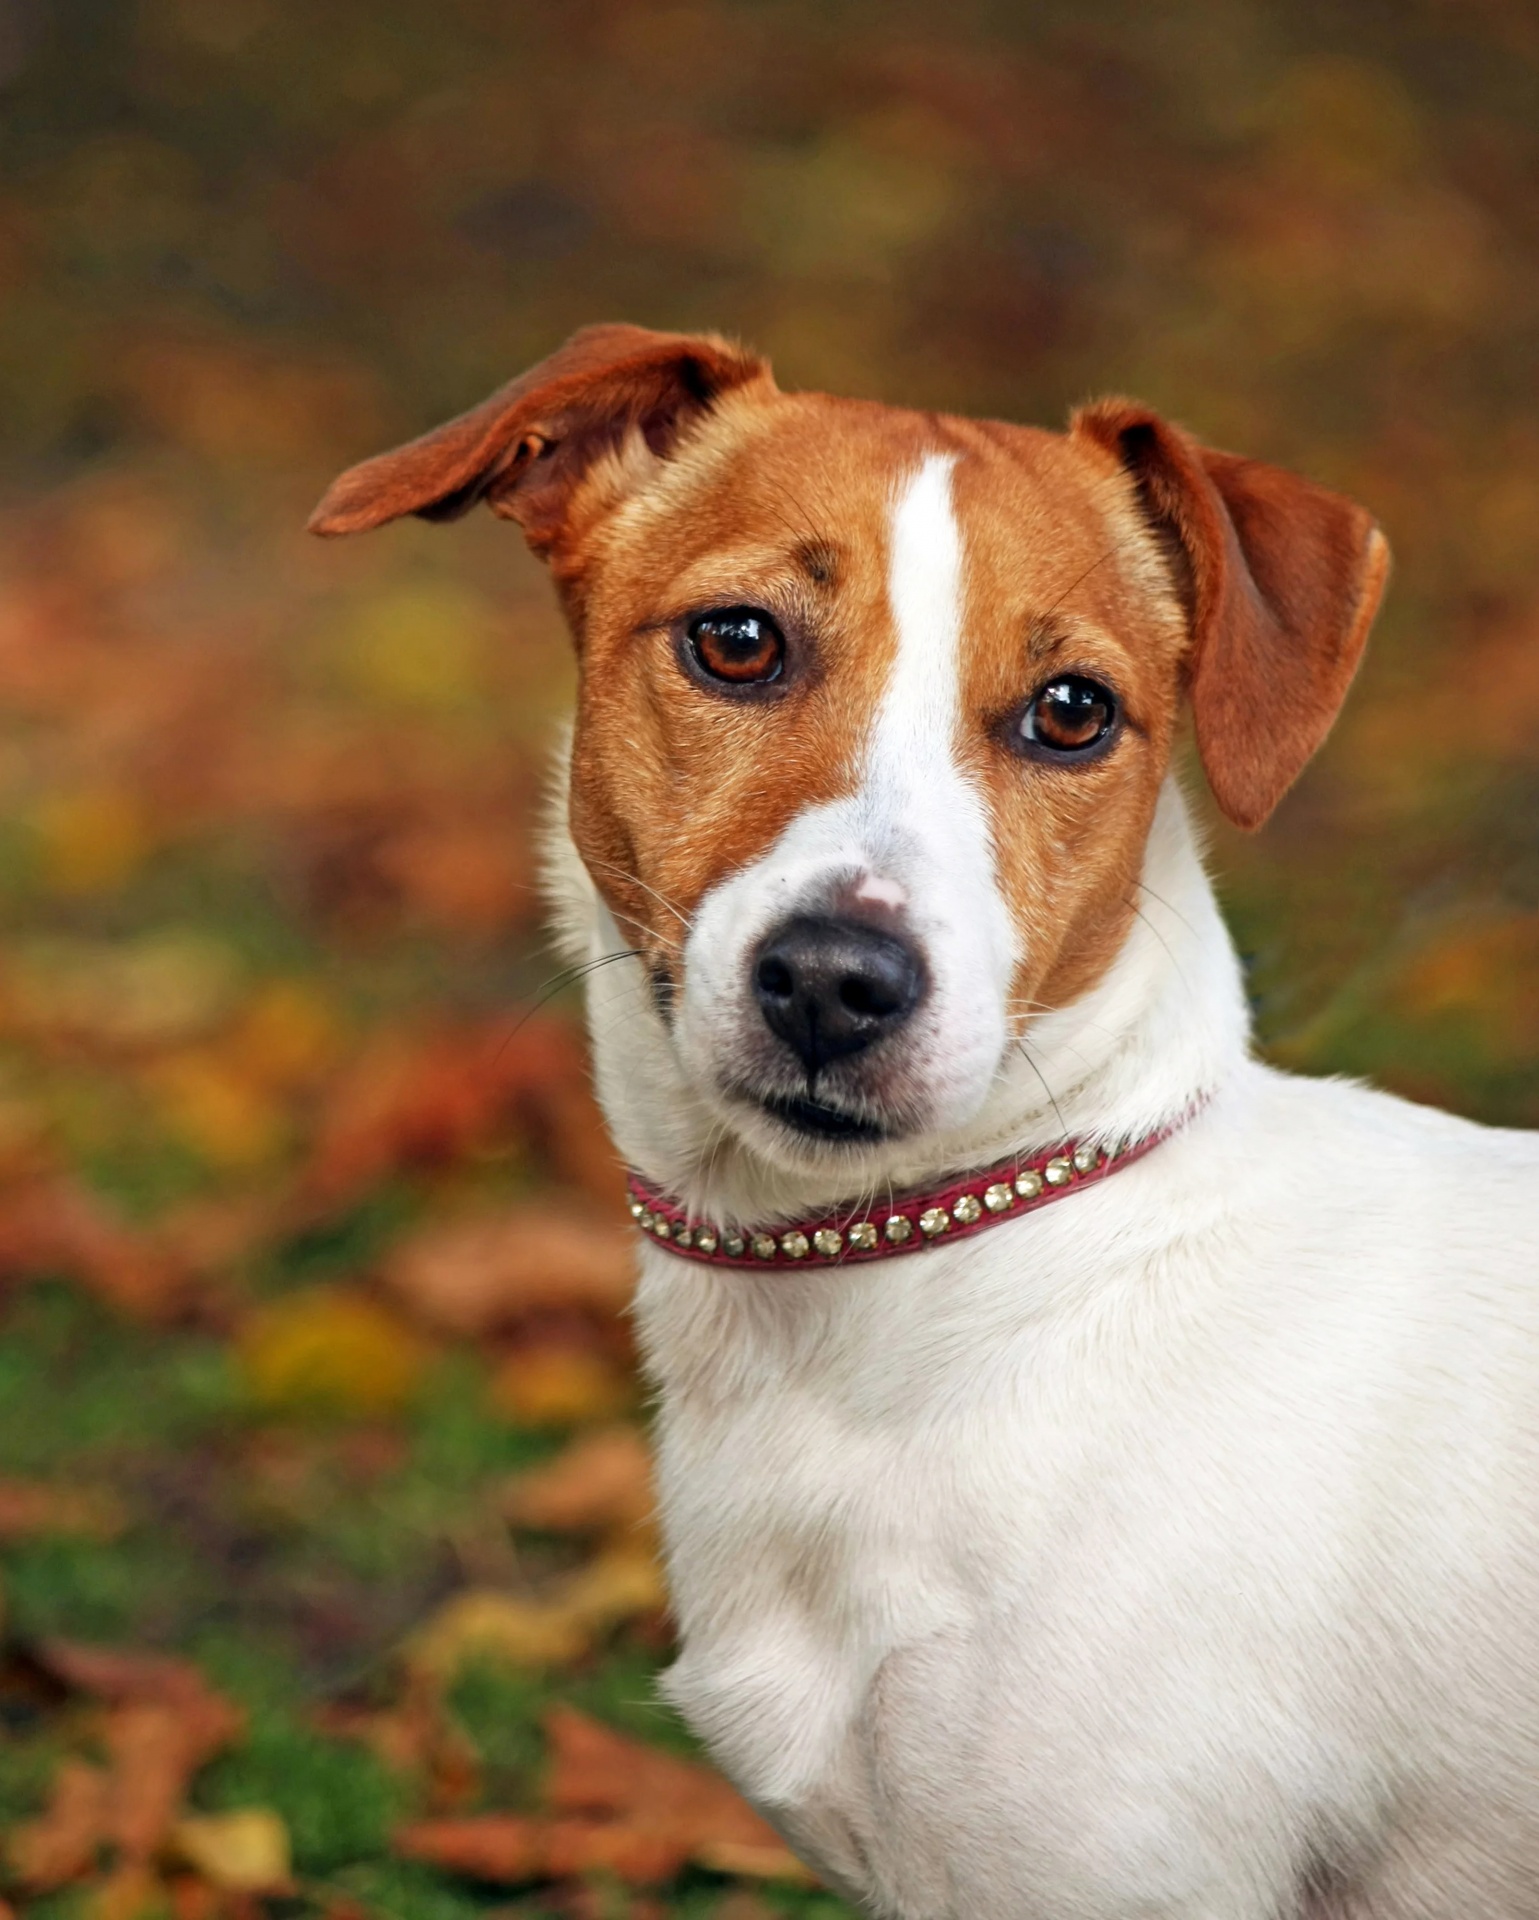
(828, 1243)
(733, 1245)
(763, 1246)
(1058, 1173)
(682, 1237)
(1028, 1184)
(898, 1230)
(706, 1241)
(661, 1227)
(1086, 1159)
(637, 1209)
(968, 1209)
(863, 1236)
(933, 1221)
(998, 1198)
(795, 1246)
(644, 1221)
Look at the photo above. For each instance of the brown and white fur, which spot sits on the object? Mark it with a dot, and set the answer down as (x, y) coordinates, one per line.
(1173, 1551)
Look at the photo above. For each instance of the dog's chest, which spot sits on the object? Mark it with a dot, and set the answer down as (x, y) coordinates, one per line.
(827, 1620)
(849, 1514)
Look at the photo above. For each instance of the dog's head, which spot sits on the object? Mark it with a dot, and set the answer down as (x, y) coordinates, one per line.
(875, 705)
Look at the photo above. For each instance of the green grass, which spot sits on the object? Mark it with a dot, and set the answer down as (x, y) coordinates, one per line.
(288, 1591)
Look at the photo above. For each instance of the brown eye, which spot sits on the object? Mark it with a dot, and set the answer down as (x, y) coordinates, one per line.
(1068, 717)
(739, 645)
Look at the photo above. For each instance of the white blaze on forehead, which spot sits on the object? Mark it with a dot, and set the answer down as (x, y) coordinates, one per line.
(917, 723)
(915, 792)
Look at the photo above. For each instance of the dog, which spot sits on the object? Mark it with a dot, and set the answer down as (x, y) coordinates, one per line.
(1099, 1473)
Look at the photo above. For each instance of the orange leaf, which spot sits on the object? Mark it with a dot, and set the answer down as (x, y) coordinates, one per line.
(61, 1843)
(29, 1507)
(164, 1722)
(596, 1770)
(626, 1848)
(155, 1751)
(470, 1276)
(513, 1848)
(432, 1099)
(51, 1225)
(487, 1846)
(603, 1480)
(557, 1384)
(619, 1808)
(120, 1678)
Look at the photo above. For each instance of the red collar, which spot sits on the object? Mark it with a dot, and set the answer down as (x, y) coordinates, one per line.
(968, 1205)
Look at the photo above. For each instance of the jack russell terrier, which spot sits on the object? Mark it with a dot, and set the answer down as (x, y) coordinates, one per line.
(1100, 1474)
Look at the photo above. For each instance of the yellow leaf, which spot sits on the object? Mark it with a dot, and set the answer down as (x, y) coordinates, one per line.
(287, 1036)
(164, 988)
(90, 842)
(246, 1851)
(619, 1585)
(330, 1349)
(750, 1862)
(483, 1624)
(225, 1117)
(558, 1386)
(622, 1582)
(420, 646)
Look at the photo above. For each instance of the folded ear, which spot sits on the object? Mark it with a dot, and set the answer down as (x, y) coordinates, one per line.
(1281, 581)
(525, 449)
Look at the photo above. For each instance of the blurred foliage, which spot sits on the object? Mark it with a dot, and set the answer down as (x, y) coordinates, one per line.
(285, 1213)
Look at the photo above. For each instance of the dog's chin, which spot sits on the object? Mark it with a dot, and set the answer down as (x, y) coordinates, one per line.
(813, 1123)
(803, 1135)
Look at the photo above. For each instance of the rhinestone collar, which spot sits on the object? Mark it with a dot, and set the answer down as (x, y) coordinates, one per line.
(907, 1223)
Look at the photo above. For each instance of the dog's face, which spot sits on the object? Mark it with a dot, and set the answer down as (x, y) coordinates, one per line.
(874, 713)
(875, 705)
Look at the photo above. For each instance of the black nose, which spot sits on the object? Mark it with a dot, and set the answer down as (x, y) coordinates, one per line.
(830, 987)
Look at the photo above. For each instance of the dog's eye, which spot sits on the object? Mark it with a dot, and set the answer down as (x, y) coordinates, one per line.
(739, 645)
(1069, 716)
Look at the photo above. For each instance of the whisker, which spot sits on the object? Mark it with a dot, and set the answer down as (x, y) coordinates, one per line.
(1169, 951)
(566, 977)
(1176, 911)
(1047, 1007)
(721, 1131)
(1052, 1097)
(635, 879)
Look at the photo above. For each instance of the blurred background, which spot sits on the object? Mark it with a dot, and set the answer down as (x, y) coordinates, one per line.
(328, 1585)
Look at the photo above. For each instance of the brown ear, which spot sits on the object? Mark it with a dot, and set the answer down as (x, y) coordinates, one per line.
(1281, 581)
(524, 449)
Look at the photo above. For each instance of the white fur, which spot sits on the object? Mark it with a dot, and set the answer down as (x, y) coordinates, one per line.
(1173, 1551)
(914, 829)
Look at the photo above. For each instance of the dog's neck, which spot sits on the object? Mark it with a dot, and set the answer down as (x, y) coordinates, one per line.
(1167, 1023)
